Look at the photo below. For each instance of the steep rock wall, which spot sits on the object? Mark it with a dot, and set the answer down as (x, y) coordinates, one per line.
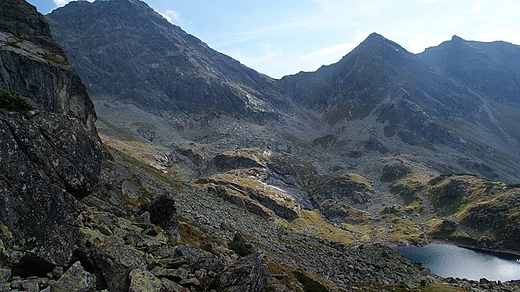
(49, 157)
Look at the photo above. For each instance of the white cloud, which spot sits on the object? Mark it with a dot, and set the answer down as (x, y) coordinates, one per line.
(418, 43)
(265, 53)
(171, 15)
(60, 3)
(476, 8)
(434, 1)
(333, 53)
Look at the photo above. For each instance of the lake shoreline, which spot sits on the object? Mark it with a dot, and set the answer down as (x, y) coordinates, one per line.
(449, 260)
(506, 252)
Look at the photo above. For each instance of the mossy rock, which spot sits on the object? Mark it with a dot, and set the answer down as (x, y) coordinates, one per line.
(342, 213)
(441, 229)
(348, 188)
(394, 171)
(309, 285)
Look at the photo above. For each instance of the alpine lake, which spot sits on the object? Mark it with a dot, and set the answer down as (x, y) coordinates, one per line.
(448, 260)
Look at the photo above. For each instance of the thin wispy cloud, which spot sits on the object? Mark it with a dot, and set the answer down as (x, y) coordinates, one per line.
(477, 7)
(60, 3)
(291, 36)
(333, 51)
(171, 15)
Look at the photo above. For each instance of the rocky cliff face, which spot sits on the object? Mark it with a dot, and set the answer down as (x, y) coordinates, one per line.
(51, 156)
(487, 68)
(36, 67)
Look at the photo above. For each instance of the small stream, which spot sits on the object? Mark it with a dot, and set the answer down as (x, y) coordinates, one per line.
(448, 260)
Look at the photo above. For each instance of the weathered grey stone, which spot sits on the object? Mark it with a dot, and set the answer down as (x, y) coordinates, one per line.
(163, 213)
(246, 276)
(197, 259)
(76, 278)
(57, 272)
(31, 285)
(169, 285)
(37, 68)
(116, 261)
(142, 280)
(51, 157)
(48, 162)
(174, 274)
(5, 274)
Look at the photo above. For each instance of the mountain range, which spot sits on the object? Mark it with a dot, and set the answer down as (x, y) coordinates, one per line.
(342, 136)
(195, 172)
(395, 101)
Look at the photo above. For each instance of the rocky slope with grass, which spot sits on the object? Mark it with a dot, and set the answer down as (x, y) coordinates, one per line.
(276, 185)
(352, 147)
(77, 216)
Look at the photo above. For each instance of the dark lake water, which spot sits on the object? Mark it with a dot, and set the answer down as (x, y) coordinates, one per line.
(452, 261)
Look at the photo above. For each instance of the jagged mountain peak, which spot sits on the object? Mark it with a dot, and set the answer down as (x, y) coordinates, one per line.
(128, 12)
(116, 43)
(379, 69)
(456, 38)
(382, 48)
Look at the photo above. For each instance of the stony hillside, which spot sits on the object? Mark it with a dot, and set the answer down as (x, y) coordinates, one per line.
(332, 145)
(80, 216)
(212, 177)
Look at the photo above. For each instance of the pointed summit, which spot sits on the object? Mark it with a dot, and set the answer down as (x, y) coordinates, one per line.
(131, 53)
(377, 47)
(456, 38)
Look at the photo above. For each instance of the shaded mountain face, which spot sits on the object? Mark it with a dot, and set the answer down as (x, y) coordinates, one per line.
(378, 70)
(382, 79)
(124, 50)
(490, 69)
(417, 103)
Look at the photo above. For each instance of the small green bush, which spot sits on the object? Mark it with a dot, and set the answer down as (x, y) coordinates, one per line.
(309, 285)
(239, 248)
(14, 102)
(207, 247)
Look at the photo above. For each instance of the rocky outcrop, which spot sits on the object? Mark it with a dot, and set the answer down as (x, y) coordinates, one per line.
(50, 157)
(348, 188)
(33, 65)
(246, 189)
(49, 162)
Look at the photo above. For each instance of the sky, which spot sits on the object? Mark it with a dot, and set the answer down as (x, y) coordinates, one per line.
(285, 37)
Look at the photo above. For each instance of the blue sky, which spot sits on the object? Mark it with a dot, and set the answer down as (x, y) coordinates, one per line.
(288, 36)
